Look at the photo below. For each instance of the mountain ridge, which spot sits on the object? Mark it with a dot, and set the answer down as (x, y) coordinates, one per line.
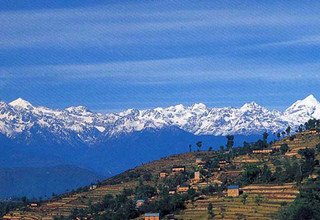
(20, 118)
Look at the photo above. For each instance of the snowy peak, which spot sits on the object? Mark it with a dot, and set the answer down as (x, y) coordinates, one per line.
(310, 102)
(303, 110)
(21, 103)
(251, 106)
(78, 110)
(199, 106)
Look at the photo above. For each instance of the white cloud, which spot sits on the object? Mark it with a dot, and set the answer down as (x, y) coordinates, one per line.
(167, 71)
(131, 25)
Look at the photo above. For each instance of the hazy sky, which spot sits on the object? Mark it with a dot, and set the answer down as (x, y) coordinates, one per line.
(114, 55)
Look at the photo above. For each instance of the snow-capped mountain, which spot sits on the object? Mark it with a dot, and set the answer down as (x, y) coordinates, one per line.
(302, 110)
(21, 119)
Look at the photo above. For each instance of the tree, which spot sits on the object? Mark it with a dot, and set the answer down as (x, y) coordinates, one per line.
(278, 174)
(266, 174)
(24, 200)
(199, 145)
(288, 130)
(307, 153)
(265, 137)
(230, 142)
(309, 157)
(144, 191)
(244, 198)
(210, 210)
(190, 148)
(222, 211)
(258, 199)
(278, 135)
(284, 148)
(210, 148)
(318, 148)
(250, 174)
(192, 194)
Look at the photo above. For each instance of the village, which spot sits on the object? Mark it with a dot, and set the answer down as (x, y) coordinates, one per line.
(210, 184)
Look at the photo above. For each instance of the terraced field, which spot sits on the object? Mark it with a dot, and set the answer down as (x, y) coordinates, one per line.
(65, 205)
(272, 197)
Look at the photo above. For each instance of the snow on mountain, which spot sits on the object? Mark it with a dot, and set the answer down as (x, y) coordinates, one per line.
(80, 124)
(302, 110)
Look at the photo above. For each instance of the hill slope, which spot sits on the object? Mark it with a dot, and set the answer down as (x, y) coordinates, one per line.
(42, 182)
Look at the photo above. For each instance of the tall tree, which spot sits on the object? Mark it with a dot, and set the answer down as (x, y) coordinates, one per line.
(288, 130)
(210, 210)
(199, 145)
(265, 137)
(230, 142)
(278, 135)
(284, 148)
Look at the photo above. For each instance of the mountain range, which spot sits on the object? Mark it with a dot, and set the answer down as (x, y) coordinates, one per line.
(102, 145)
(20, 119)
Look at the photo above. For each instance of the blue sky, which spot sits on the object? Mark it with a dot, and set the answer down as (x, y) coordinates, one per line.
(114, 55)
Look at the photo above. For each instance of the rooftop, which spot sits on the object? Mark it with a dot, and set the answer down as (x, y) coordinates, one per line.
(178, 167)
(152, 214)
(233, 187)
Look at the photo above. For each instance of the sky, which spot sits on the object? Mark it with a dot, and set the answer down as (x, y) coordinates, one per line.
(115, 55)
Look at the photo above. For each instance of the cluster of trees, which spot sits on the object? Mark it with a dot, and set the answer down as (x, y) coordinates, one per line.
(254, 174)
(287, 169)
(311, 124)
(305, 206)
(229, 144)
(111, 208)
(168, 204)
(7, 206)
(21, 203)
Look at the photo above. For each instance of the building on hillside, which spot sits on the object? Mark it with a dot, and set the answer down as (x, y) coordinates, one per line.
(216, 181)
(177, 169)
(33, 205)
(196, 176)
(152, 216)
(233, 191)
(139, 203)
(276, 147)
(92, 187)
(263, 151)
(313, 131)
(172, 191)
(163, 174)
(223, 163)
(313, 176)
(201, 165)
(199, 160)
(183, 187)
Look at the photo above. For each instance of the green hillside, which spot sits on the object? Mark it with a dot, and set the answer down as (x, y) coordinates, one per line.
(273, 179)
